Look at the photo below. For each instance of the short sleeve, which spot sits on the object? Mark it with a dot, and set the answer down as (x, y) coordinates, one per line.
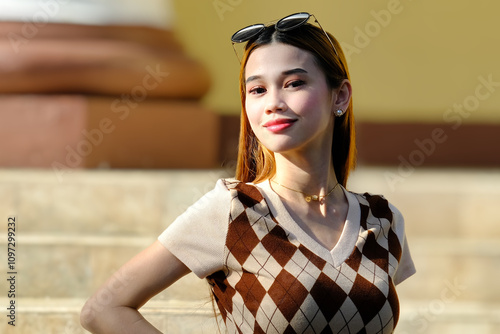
(197, 237)
(406, 267)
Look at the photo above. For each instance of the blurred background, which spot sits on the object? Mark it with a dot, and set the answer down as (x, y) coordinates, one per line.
(115, 116)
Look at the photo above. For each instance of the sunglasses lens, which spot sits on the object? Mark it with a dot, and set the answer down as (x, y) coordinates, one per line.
(292, 21)
(245, 34)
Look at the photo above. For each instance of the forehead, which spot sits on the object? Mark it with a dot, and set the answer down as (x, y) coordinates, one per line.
(278, 57)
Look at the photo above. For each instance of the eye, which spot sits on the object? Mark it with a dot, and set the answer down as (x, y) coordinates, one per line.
(257, 90)
(295, 83)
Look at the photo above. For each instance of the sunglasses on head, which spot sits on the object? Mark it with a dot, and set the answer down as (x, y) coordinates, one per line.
(287, 23)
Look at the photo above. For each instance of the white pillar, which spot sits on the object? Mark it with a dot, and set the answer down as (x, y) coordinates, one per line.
(156, 13)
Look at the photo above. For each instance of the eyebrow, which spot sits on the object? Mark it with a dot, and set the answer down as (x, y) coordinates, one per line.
(285, 73)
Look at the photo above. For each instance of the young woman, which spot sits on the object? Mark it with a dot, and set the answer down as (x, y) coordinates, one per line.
(284, 246)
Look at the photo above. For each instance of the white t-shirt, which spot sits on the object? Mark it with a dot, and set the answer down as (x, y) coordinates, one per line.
(267, 274)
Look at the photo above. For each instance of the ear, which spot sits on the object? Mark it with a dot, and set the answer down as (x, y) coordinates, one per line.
(342, 96)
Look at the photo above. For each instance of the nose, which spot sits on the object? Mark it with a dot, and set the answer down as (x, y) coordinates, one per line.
(275, 102)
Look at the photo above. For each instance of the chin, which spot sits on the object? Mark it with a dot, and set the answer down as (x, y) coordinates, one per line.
(278, 149)
(284, 143)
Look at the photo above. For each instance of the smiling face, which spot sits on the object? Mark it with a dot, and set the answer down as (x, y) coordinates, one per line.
(288, 102)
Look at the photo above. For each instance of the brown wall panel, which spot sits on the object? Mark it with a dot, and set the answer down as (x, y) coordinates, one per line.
(470, 145)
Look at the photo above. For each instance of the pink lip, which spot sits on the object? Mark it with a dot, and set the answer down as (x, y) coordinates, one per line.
(280, 124)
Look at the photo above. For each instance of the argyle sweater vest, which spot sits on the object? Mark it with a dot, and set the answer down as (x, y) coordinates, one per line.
(271, 283)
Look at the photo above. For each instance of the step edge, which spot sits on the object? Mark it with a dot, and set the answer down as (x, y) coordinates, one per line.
(74, 305)
(83, 240)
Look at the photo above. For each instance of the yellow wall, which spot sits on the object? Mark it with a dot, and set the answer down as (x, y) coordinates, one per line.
(413, 65)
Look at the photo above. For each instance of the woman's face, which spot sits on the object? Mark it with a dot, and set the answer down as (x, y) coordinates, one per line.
(288, 101)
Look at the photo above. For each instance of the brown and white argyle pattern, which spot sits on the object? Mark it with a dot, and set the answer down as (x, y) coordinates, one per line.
(273, 284)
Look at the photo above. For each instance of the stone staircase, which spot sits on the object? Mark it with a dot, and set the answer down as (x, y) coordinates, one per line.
(453, 231)
(74, 232)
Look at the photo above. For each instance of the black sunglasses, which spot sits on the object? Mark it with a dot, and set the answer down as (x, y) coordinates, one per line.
(287, 23)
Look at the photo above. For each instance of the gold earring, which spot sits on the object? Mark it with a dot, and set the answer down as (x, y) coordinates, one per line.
(338, 112)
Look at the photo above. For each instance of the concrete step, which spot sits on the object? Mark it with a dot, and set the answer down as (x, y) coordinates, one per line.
(118, 202)
(449, 203)
(61, 316)
(463, 270)
(75, 266)
(444, 316)
(437, 316)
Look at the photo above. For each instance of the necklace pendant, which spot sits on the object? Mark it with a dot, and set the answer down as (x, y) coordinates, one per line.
(309, 198)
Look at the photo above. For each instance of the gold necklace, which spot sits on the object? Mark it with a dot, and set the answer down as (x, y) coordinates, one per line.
(307, 197)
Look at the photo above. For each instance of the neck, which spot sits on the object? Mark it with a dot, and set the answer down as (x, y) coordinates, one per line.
(309, 174)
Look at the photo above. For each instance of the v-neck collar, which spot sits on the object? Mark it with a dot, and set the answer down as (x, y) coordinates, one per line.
(347, 241)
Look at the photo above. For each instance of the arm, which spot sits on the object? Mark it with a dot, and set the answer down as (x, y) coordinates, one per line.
(114, 307)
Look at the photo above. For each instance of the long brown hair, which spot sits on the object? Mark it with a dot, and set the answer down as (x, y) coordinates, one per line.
(255, 162)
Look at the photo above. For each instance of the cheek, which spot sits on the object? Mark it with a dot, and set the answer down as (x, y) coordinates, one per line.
(253, 113)
(312, 106)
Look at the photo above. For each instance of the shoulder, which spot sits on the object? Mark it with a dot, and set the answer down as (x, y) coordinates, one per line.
(378, 207)
(226, 193)
(212, 205)
(219, 193)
